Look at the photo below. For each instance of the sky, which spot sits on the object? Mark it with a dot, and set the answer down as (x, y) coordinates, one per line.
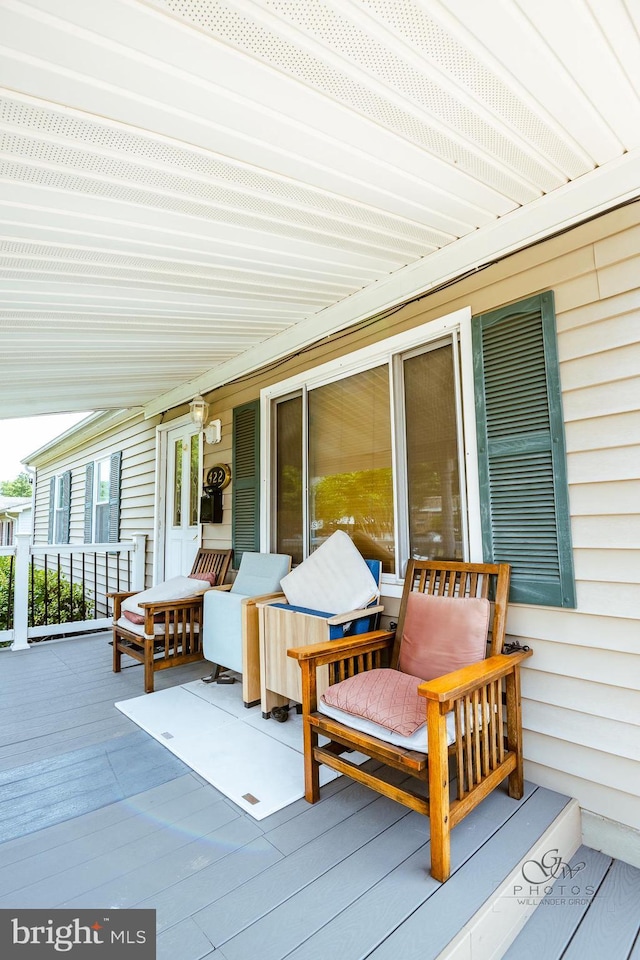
(21, 436)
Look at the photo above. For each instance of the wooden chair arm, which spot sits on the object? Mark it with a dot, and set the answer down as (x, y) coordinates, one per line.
(461, 682)
(354, 615)
(117, 601)
(333, 650)
(162, 606)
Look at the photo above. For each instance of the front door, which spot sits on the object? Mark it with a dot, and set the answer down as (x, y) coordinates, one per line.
(183, 497)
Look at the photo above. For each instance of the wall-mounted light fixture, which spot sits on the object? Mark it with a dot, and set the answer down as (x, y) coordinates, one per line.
(199, 411)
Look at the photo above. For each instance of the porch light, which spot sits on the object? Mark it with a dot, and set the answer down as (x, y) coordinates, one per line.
(198, 409)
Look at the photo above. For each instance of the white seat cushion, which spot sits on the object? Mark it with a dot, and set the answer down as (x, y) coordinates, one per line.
(177, 588)
(335, 578)
(416, 741)
(158, 628)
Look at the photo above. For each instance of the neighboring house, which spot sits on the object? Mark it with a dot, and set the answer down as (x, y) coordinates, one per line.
(16, 516)
(497, 417)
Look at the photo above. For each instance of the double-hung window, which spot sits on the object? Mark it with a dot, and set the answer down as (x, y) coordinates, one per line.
(101, 504)
(102, 500)
(59, 508)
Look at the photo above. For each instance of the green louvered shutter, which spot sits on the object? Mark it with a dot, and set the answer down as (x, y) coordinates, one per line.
(521, 450)
(246, 480)
(115, 466)
(88, 502)
(63, 518)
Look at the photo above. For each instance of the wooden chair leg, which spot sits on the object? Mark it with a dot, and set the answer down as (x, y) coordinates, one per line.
(117, 655)
(514, 732)
(438, 793)
(311, 765)
(148, 666)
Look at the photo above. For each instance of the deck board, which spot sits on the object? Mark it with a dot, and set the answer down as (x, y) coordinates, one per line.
(229, 915)
(48, 791)
(550, 929)
(358, 930)
(455, 902)
(612, 922)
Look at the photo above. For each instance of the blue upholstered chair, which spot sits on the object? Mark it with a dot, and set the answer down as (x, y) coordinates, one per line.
(230, 619)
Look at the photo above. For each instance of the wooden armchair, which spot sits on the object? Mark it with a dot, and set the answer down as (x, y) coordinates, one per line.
(472, 712)
(171, 632)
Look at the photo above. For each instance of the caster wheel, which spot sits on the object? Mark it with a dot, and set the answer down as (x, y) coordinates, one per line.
(281, 714)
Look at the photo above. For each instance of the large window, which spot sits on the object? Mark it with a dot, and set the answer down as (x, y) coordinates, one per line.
(376, 454)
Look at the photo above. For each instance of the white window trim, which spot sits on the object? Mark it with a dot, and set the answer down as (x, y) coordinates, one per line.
(458, 322)
(101, 503)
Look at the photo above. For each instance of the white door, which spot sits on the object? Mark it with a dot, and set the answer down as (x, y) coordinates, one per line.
(183, 533)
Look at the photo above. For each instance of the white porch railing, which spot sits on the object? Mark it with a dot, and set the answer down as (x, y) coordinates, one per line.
(49, 584)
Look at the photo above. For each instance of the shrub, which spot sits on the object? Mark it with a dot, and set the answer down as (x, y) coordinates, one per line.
(44, 605)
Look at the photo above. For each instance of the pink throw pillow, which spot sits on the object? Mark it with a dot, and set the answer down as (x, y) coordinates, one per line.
(442, 634)
(384, 696)
(136, 618)
(209, 578)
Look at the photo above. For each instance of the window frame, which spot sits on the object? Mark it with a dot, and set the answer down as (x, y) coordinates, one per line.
(100, 503)
(61, 512)
(456, 324)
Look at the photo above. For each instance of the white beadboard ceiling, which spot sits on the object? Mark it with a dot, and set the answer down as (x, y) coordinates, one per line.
(192, 188)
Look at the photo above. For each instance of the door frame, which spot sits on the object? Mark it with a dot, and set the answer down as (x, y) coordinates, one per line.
(160, 492)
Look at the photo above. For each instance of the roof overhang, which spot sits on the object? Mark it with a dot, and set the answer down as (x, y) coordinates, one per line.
(190, 189)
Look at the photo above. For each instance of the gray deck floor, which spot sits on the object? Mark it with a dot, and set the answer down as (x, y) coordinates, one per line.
(95, 813)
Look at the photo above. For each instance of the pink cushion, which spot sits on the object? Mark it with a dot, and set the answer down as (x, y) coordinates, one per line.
(387, 697)
(442, 634)
(136, 618)
(209, 578)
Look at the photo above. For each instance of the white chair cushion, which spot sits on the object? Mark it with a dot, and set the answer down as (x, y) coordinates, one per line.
(177, 588)
(335, 578)
(158, 628)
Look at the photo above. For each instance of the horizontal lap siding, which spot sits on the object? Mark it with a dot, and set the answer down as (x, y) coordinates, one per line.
(581, 699)
(136, 439)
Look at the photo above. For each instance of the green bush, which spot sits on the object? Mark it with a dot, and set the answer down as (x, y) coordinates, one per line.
(43, 596)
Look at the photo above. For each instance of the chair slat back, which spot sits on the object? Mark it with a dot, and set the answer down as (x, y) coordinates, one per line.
(213, 561)
(445, 578)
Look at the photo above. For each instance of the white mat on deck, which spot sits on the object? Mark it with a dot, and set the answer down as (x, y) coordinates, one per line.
(257, 763)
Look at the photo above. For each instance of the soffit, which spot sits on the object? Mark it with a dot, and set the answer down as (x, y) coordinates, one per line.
(189, 188)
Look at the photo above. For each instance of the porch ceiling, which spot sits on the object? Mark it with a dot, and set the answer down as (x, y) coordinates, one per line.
(190, 188)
